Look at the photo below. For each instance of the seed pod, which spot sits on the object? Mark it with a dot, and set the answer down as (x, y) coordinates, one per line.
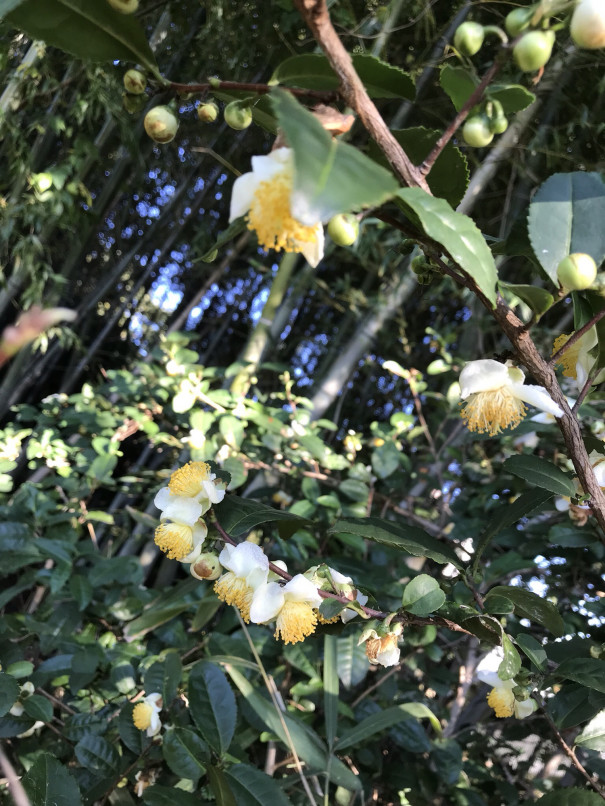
(577, 272)
(160, 124)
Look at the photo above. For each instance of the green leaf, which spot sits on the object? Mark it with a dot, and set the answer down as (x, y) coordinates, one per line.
(511, 662)
(9, 692)
(313, 72)
(158, 795)
(212, 705)
(330, 176)
(330, 687)
(154, 617)
(386, 459)
(97, 755)
(542, 473)
(513, 97)
(458, 83)
(570, 536)
(533, 649)
(6, 6)
(530, 606)
(571, 797)
(401, 536)
(352, 663)
(185, 753)
(87, 29)
(238, 515)
(539, 300)
(456, 234)
(38, 708)
(220, 787)
(588, 672)
(133, 738)
(566, 215)
(382, 720)
(593, 735)
(81, 589)
(252, 787)
(422, 596)
(48, 783)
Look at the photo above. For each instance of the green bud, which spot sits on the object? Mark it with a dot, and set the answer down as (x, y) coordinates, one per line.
(498, 124)
(468, 38)
(517, 20)
(161, 124)
(134, 82)
(210, 257)
(343, 229)
(207, 113)
(476, 132)
(206, 566)
(533, 50)
(577, 272)
(124, 6)
(237, 116)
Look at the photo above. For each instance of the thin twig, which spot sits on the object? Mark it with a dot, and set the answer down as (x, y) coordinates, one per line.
(325, 96)
(15, 786)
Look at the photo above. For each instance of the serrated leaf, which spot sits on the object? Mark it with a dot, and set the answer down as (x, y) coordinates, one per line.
(330, 176)
(588, 672)
(376, 723)
(422, 596)
(97, 755)
(252, 787)
(185, 753)
(9, 692)
(593, 735)
(238, 515)
(566, 216)
(48, 783)
(541, 473)
(406, 538)
(90, 30)
(212, 705)
(570, 797)
(457, 235)
(313, 71)
(531, 606)
(539, 300)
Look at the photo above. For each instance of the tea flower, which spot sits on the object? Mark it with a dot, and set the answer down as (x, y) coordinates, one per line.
(382, 650)
(145, 714)
(577, 361)
(501, 697)
(292, 605)
(181, 541)
(247, 568)
(494, 396)
(266, 197)
(195, 480)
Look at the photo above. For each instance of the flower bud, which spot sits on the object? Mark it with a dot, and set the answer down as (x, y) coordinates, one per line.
(343, 229)
(468, 38)
(588, 24)
(533, 50)
(134, 82)
(577, 272)
(476, 132)
(124, 6)
(237, 116)
(206, 566)
(207, 113)
(160, 124)
(517, 20)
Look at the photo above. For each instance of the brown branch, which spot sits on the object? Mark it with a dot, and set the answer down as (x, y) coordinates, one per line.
(554, 359)
(325, 96)
(315, 14)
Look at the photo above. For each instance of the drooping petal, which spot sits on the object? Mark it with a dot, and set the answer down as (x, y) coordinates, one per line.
(265, 166)
(300, 589)
(183, 510)
(243, 558)
(537, 396)
(484, 375)
(525, 708)
(267, 601)
(487, 669)
(200, 532)
(242, 194)
(313, 251)
(162, 498)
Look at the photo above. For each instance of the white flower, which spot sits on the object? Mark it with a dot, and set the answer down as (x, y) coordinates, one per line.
(381, 650)
(247, 568)
(588, 24)
(341, 581)
(266, 197)
(179, 541)
(145, 714)
(292, 605)
(501, 697)
(494, 396)
(577, 361)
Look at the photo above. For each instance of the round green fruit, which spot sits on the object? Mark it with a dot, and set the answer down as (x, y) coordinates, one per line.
(468, 38)
(237, 116)
(207, 113)
(518, 20)
(476, 132)
(577, 272)
(498, 124)
(124, 6)
(343, 229)
(533, 50)
(161, 124)
(134, 82)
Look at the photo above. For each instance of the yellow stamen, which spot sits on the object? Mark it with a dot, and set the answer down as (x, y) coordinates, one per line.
(570, 357)
(141, 715)
(174, 539)
(187, 480)
(374, 646)
(295, 621)
(490, 412)
(234, 591)
(322, 620)
(502, 700)
(270, 217)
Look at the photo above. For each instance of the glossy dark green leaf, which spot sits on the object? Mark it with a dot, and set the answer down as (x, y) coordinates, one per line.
(565, 216)
(456, 234)
(158, 795)
(38, 708)
(541, 473)
(154, 617)
(330, 176)
(81, 590)
(312, 71)
(570, 536)
(533, 649)
(376, 723)
(589, 672)
(238, 515)
(212, 705)
(330, 680)
(97, 755)
(447, 759)
(9, 692)
(511, 662)
(89, 30)
(570, 797)
(251, 787)
(48, 783)
(185, 753)
(536, 298)
(593, 735)
(422, 596)
(531, 606)
(409, 539)
(352, 662)
(220, 787)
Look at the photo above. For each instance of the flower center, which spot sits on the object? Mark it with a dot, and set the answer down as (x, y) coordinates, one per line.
(174, 539)
(502, 700)
(141, 715)
(569, 359)
(270, 217)
(234, 591)
(490, 412)
(187, 480)
(295, 621)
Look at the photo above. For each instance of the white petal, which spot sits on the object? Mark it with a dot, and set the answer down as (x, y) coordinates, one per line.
(303, 210)
(242, 194)
(562, 504)
(390, 657)
(487, 669)
(266, 166)
(313, 251)
(182, 510)
(200, 532)
(267, 601)
(162, 498)
(537, 396)
(525, 708)
(599, 472)
(154, 725)
(153, 699)
(340, 579)
(300, 589)
(243, 558)
(214, 494)
(484, 375)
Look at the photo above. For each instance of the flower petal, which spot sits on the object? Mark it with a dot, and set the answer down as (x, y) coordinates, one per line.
(182, 510)
(300, 589)
(525, 708)
(163, 498)
(537, 396)
(242, 194)
(313, 251)
(487, 669)
(267, 601)
(484, 375)
(243, 558)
